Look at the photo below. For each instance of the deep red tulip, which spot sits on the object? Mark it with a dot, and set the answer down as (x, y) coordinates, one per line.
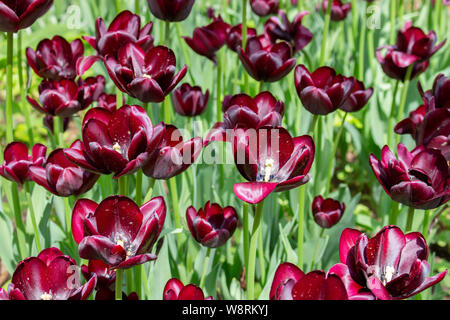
(322, 91)
(412, 124)
(391, 264)
(206, 41)
(106, 277)
(212, 225)
(418, 179)
(293, 32)
(64, 98)
(439, 96)
(339, 10)
(17, 162)
(21, 14)
(61, 177)
(354, 290)
(117, 231)
(175, 290)
(272, 161)
(173, 155)
(55, 59)
(265, 7)
(108, 102)
(118, 142)
(49, 276)
(93, 88)
(327, 212)
(291, 283)
(171, 10)
(358, 98)
(265, 61)
(234, 36)
(190, 101)
(125, 28)
(49, 122)
(413, 47)
(148, 77)
(243, 111)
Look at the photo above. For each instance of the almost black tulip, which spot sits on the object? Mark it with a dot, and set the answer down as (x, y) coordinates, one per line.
(171, 10)
(265, 7)
(265, 61)
(176, 290)
(190, 101)
(55, 59)
(21, 14)
(327, 212)
(358, 98)
(234, 37)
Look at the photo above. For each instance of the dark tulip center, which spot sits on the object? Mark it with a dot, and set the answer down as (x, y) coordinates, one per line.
(415, 174)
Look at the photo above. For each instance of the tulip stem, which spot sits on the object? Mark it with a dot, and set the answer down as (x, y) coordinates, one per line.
(9, 87)
(68, 215)
(252, 252)
(117, 3)
(393, 16)
(33, 217)
(333, 155)
(123, 188)
(245, 230)
(174, 196)
(119, 98)
(410, 219)
(426, 223)
(301, 218)
(219, 87)
(23, 89)
(262, 262)
(244, 40)
(205, 267)
(401, 108)
(394, 213)
(119, 280)
(151, 184)
(325, 33)
(20, 228)
(362, 43)
(300, 5)
(392, 115)
(354, 21)
(316, 247)
(139, 187)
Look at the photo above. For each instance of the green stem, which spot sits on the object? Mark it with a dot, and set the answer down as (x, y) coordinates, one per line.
(151, 185)
(167, 33)
(262, 262)
(9, 87)
(175, 205)
(245, 231)
(23, 90)
(316, 247)
(219, 90)
(393, 16)
(166, 108)
(33, 217)
(426, 224)
(325, 33)
(118, 7)
(300, 5)
(20, 228)
(252, 251)
(401, 108)
(410, 219)
(333, 155)
(393, 217)
(137, 8)
(244, 40)
(119, 280)
(301, 218)
(123, 190)
(354, 21)
(205, 267)
(139, 187)
(362, 42)
(392, 115)
(119, 98)
(68, 214)
(129, 282)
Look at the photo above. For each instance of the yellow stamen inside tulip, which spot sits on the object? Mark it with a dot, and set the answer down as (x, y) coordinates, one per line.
(388, 275)
(46, 296)
(116, 147)
(268, 168)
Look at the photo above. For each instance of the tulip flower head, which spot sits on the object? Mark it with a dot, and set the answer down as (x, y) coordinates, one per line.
(234, 36)
(291, 283)
(189, 100)
(176, 290)
(264, 7)
(171, 10)
(358, 98)
(339, 10)
(21, 14)
(49, 276)
(117, 231)
(418, 179)
(327, 212)
(17, 161)
(212, 225)
(392, 265)
(271, 160)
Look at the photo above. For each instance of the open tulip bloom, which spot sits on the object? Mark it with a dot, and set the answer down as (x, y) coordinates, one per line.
(20, 14)
(392, 265)
(176, 290)
(117, 231)
(272, 161)
(49, 276)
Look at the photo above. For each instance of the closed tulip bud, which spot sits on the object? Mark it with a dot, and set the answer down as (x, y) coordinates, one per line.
(190, 101)
(327, 212)
(171, 10)
(176, 290)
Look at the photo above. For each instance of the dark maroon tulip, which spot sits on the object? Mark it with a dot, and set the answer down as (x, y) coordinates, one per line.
(391, 264)
(125, 28)
(108, 102)
(55, 59)
(243, 111)
(271, 160)
(49, 276)
(265, 7)
(439, 96)
(176, 290)
(190, 101)
(339, 10)
(173, 155)
(148, 77)
(17, 162)
(234, 36)
(61, 177)
(354, 290)
(412, 124)
(21, 14)
(265, 61)
(171, 10)
(118, 142)
(327, 212)
(93, 88)
(293, 32)
(413, 47)
(206, 41)
(117, 231)
(106, 277)
(358, 98)
(64, 98)
(212, 225)
(49, 123)
(418, 179)
(291, 283)
(322, 91)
